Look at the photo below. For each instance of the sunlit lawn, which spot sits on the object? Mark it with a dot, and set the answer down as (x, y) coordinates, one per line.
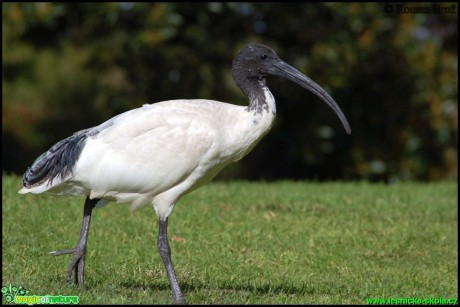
(245, 243)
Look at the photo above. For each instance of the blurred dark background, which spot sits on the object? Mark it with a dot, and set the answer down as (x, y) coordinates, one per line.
(391, 67)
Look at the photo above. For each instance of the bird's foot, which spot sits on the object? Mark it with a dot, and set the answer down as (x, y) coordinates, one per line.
(77, 264)
(179, 301)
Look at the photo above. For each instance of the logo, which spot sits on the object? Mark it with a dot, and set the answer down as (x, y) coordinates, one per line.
(19, 295)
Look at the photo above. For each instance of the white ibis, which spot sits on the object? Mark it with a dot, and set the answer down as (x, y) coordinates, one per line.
(159, 152)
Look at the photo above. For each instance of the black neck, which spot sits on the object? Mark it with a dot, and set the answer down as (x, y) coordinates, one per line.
(256, 94)
(254, 88)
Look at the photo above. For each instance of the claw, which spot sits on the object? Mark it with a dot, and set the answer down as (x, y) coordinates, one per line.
(77, 264)
(79, 252)
(63, 252)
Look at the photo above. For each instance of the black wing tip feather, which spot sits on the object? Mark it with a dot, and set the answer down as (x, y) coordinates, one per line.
(58, 161)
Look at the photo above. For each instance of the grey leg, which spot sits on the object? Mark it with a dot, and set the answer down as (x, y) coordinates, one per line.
(165, 253)
(79, 252)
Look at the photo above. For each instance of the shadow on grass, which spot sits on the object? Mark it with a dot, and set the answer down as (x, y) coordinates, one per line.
(266, 288)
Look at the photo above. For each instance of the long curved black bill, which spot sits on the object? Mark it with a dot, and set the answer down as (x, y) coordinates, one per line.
(285, 70)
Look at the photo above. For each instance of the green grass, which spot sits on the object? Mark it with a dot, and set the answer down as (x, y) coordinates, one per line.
(245, 243)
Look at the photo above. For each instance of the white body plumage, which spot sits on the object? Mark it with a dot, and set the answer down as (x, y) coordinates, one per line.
(157, 153)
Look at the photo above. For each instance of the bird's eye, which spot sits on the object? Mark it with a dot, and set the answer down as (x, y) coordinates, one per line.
(264, 57)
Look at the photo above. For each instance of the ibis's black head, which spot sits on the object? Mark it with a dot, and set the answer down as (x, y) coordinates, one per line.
(255, 61)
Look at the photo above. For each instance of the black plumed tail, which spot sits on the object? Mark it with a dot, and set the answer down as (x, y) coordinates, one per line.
(59, 160)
